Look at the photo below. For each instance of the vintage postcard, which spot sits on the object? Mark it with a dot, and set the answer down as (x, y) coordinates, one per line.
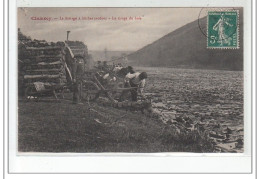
(140, 87)
(134, 80)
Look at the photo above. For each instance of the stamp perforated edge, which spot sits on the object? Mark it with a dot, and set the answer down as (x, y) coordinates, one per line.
(238, 42)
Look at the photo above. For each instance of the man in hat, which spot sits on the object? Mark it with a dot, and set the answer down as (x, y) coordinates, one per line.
(77, 74)
(136, 80)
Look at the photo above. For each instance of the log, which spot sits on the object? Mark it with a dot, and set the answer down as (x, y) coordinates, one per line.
(48, 84)
(78, 53)
(52, 63)
(48, 56)
(41, 76)
(35, 61)
(68, 71)
(45, 63)
(34, 67)
(50, 80)
(34, 56)
(46, 70)
(76, 50)
(44, 48)
(44, 66)
(45, 73)
(77, 47)
(40, 53)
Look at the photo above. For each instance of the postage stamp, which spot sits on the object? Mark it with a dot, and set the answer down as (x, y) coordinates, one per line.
(222, 29)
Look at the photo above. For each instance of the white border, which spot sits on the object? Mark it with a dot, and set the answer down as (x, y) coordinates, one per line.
(173, 163)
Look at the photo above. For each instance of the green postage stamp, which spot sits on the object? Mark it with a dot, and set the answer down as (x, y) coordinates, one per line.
(222, 29)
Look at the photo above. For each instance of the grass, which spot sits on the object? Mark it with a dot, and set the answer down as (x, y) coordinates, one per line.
(51, 126)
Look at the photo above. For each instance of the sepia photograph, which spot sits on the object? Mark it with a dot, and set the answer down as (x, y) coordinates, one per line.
(130, 80)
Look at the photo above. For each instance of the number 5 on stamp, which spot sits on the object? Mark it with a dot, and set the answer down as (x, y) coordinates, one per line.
(222, 29)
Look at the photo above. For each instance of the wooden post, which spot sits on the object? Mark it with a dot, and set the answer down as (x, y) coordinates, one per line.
(80, 92)
(68, 35)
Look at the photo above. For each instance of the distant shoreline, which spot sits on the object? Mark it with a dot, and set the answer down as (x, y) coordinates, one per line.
(185, 68)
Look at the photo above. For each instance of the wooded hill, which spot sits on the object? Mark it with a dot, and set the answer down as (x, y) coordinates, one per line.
(186, 47)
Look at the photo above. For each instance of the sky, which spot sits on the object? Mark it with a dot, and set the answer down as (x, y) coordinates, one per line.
(114, 35)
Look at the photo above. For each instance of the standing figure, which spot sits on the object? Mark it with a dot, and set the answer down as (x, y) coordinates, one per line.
(136, 80)
(220, 27)
(77, 74)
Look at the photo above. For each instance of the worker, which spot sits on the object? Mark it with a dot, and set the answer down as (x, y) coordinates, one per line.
(105, 67)
(77, 74)
(99, 65)
(117, 68)
(131, 69)
(136, 80)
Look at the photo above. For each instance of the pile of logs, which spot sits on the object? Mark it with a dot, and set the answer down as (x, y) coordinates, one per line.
(78, 48)
(47, 62)
(44, 64)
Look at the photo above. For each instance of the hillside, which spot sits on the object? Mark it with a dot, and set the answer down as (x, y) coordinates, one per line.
(186, 47)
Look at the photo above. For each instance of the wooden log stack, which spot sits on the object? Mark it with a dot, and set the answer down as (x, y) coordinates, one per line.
(47, 62)
(78, 48)
(44, 64)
